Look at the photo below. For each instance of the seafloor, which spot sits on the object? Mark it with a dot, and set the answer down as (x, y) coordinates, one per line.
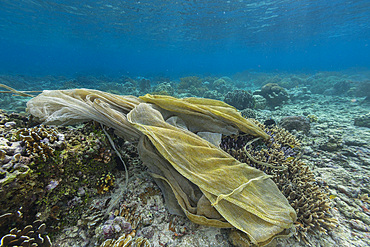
(75, 183)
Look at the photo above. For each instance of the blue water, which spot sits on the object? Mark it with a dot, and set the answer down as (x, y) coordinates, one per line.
(176, 38)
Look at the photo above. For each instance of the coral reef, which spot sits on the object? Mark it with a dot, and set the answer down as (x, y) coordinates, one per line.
(274, 94)
(336, 150)
(31, 235)
(296, 182)
(240, 99)
(298, 123)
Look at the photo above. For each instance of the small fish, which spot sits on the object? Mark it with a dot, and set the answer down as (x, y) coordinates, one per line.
(365, 209)
(332, 197)
(290, 158)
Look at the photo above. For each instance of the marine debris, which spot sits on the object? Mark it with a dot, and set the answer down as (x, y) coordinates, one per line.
(167, 144)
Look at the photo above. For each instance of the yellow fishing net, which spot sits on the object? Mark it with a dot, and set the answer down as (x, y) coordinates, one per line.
(197, 178)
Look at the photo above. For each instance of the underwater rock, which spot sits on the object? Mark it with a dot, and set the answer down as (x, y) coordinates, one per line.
(274, 94)
(269, 123)
(240, 99)
(298, 123)
(363, 121)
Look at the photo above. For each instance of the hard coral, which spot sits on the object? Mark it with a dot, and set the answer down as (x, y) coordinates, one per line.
(297, 182)
(31, 235)
(240, 99)
(38, 141)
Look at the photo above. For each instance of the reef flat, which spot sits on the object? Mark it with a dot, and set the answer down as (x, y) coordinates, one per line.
(86, 206)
